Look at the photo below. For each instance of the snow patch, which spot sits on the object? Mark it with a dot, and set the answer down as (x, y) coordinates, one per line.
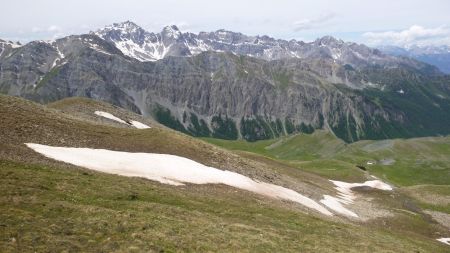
(3, 49)
(168, 169)
(110, 116)
(335, 204)
(136, 124)
(139, 125)
(444, 240)
(55, 62)
(346, 196)
(61, 55)
(98, 48)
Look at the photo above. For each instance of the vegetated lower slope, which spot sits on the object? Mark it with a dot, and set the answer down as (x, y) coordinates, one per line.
(48, 205)
(405, 162)
(320, 144)
(419, 166)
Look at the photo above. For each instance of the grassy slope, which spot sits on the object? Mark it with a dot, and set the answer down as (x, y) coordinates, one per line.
(84, 108)
(314, 153)
(421, 165)
(47, 205)
(417, 161)
(49, 208)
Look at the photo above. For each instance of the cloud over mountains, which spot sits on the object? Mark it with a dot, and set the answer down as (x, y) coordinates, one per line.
(415, 35)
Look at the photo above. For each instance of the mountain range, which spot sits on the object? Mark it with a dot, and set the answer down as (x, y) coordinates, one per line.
(229, 85)
(438, 56)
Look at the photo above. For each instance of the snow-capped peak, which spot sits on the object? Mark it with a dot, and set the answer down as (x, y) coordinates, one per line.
(328, 41)
(4, 45)
(137, 43)
(11, 44)
(171, 31)
(133, 41)
(126, 26)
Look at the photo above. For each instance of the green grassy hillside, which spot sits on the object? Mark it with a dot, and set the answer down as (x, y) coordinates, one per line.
(52, 206)
(420, 167)
(404, 162)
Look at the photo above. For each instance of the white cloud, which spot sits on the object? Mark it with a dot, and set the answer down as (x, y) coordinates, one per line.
(415, 35)
(307, 24)
(158, 26)
(182, 25)
(54, 28)
(51, 32)
(36, 29)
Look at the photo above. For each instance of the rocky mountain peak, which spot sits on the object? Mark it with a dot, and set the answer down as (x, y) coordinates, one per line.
(125, 31)
(126, 24)
(328, 41)
(137, 43)
(11, 43)
(171, 31)
(230, 37)
(126, 27)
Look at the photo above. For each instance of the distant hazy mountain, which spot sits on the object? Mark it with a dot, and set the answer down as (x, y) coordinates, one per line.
(438, 56)
(229, 85)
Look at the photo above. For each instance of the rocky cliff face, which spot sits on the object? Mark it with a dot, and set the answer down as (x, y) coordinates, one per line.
(360, 94)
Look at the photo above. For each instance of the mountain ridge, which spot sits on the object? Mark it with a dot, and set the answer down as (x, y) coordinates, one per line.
(438, 56)
(172, 42)
(232, 95)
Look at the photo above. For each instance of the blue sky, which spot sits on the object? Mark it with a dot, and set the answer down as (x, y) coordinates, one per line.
(399, 22)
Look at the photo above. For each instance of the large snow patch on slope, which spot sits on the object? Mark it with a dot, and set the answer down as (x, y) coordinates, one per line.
(168, 169)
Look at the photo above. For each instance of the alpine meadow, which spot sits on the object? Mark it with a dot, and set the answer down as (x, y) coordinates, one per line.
(210, 126)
